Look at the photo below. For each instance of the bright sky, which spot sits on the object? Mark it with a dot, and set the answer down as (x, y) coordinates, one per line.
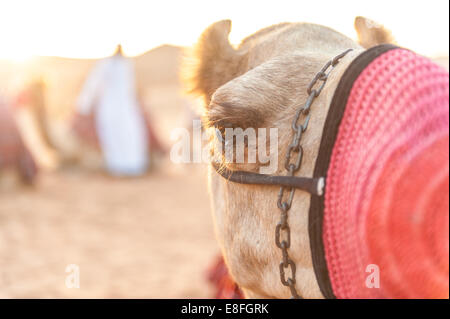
(92, 28)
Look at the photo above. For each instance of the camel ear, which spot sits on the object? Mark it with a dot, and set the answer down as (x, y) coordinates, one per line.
(212, 62)
(371, 33)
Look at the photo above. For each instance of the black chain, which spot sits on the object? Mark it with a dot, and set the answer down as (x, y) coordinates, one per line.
(292, 166)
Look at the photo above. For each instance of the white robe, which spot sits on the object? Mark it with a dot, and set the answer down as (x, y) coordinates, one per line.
(110, 90)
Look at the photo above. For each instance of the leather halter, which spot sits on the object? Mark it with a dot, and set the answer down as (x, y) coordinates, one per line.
(314, 186)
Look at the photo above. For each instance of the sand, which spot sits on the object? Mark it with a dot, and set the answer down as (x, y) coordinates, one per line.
(142, 238)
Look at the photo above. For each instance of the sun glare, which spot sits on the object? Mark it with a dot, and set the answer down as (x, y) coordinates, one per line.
(91, 29)
(19, 57)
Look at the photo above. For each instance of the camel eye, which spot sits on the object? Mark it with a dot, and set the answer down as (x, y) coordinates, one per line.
(220, 134)
(220, 130)
(237, 136)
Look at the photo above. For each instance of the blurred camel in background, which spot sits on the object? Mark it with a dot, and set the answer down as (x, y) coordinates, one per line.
(16, 162)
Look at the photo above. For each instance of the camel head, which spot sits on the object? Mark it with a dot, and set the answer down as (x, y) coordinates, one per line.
(260, 84)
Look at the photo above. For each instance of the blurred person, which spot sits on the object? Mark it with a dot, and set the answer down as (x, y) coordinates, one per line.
(14, 156)
(109, 98)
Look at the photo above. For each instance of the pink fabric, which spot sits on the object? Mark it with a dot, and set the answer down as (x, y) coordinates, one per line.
(220, 278)
(387, 193)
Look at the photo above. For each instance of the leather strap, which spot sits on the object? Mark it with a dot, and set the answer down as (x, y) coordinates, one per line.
(313, 186)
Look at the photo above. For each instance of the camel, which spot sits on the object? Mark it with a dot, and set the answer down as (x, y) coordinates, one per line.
(17, 165)
(260, 83)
